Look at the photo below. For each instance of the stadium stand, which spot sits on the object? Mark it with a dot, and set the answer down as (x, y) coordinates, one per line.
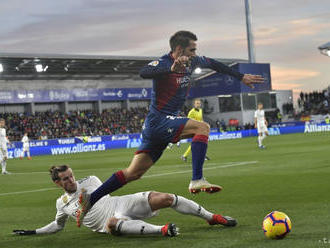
(314, 103)
(51, 125)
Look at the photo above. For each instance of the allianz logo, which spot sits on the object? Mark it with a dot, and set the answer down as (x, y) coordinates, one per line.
(312, 128)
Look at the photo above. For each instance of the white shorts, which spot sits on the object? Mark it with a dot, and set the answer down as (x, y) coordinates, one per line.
(135, 206)
(26, 148)
(262, 128)
(3, 152)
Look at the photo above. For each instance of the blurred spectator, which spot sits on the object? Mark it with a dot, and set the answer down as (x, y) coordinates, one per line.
(314, 103)
(51, 125)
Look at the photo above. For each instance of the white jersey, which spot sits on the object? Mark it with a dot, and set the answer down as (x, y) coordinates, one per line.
(135, 206)
(260, 115)
(3, 136)
(96, 218)
(3, 143)
(25, 140)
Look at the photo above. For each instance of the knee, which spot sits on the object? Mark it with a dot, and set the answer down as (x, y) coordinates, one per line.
(204, 128)
(208, 128)
(168, 199)
(111, 225)
(160, 200)
(133, 175)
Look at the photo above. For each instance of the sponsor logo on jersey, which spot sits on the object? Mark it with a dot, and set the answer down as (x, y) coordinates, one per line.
(172, 117)
(183, 82)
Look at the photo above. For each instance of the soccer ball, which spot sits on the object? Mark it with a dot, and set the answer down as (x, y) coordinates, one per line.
(276, 225)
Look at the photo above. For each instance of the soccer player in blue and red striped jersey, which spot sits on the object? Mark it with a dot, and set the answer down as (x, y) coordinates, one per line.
(171, 83)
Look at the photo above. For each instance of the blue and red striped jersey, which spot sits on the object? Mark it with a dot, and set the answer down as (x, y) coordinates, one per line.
(170, 89)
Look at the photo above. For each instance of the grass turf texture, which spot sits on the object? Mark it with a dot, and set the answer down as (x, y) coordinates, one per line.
(291, 175)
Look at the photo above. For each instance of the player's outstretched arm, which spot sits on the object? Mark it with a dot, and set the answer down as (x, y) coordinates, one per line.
(155, 69)
(247, 79)
(53, 227)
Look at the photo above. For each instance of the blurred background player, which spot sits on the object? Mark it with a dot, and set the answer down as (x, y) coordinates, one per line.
(3, 147)
(171, 75)
(119, 214)
(26, 146)
(260, 123)
(196, 113)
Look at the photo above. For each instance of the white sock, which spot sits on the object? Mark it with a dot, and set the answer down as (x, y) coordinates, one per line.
(260, 140)
(3, 164)
(28, 153)
(263, 137)
(185, 206)
(137, 227)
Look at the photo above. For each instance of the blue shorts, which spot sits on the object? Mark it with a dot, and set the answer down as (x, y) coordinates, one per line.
(158, 131)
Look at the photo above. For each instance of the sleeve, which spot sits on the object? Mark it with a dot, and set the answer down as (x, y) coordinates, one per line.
(217, 66)
(255, 114)
(155, 69)
(52, 227)
(191, 114)
(95, 181)
(55, 226)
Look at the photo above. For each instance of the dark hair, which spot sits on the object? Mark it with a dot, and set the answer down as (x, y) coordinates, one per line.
(181, 38)
(55, 169)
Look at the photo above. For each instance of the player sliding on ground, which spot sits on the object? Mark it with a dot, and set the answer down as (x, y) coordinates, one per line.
(119, 214)
(171, 83)
(260, 123)
(196, 113)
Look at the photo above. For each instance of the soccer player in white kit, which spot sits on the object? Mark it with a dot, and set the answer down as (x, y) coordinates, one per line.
(119, 214)
(26, 146)
(3, 147)
(260, 123)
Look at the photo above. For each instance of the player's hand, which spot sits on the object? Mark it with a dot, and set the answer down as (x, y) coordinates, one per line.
(24, 232)
(250, 80)
(180, 64)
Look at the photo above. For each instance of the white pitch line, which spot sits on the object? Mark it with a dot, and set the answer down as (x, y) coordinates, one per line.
(204, 169)
(147, 176)
(100, 169)
(28, 191)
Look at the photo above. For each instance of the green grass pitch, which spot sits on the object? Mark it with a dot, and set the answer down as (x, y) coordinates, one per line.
(291, 175)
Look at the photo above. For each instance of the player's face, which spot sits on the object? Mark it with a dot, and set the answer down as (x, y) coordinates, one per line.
(198, 104)
(2, 123)
(260, 106)
(67, 181)
(190, 51)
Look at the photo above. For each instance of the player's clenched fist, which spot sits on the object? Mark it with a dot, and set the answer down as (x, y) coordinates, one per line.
(180, 64)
